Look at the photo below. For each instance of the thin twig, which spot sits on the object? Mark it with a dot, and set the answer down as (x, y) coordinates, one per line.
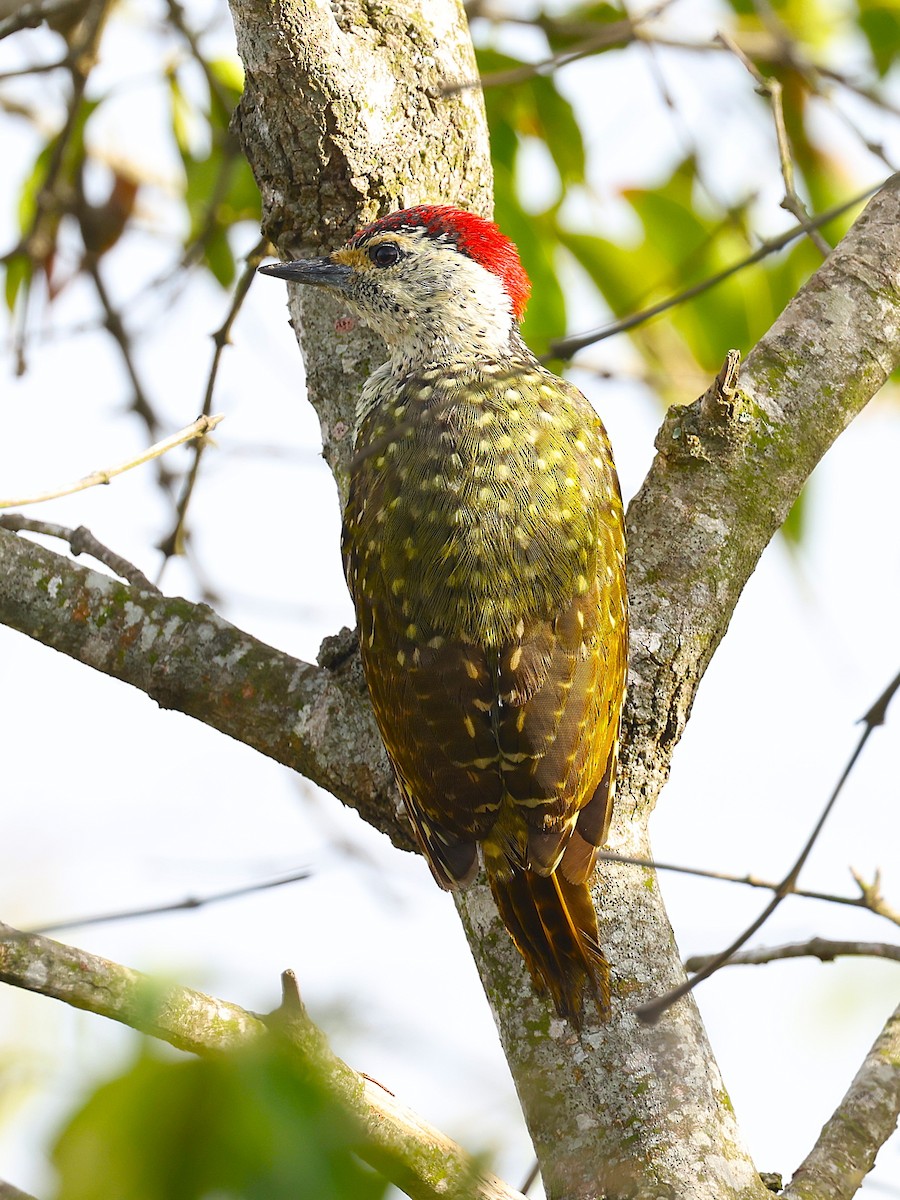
(81, 541)
(771, 87)
(80, 60)
(115, 326)
(566, 347)
(29, 16)
(217, 91)
(8, 1192)
(870, 899)
(154, 910)
(172, 543)
(200, 428)
(531, 1178)
(35, 69)
(651, 1012)
(824, 949)
(614, 34)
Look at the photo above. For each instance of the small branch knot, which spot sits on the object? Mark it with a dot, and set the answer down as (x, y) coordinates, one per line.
(713, 422)
(718, 401)
(337, 649)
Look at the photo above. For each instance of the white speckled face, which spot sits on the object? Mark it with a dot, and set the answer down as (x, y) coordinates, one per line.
(427, 300)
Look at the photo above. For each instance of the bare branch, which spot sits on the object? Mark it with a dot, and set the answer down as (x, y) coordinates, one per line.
(860, 1125)
(873, 718)
(81, 541)
(603, 37)
(771, 87)
(824, 949)
(154, 910)
(198, 429)
(29, 16)
(871, 898)
(115, 326)
(172, 544)
(432, 1167)
(184, 656)
(8, 1192)
(80, 61)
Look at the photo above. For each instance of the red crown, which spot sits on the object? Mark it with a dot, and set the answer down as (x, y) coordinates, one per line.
(472, 235)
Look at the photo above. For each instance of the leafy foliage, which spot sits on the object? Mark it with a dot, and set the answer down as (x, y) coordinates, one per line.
(220, 189)
(687, 235)
(250, 1125)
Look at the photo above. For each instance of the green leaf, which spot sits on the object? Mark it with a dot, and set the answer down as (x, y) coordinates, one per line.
(531, 108)
(559, 130)
(229, 75)
(220, 191)
(794, 526)
(73, 157)
(19, 270)
(616, 270)
(683, 246)
(252, 1125)
(881, 25)
(573, 27)
(182, 114)
(218, 258)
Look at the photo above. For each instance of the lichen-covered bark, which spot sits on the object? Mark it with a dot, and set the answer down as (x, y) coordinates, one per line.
(348, 78)
(863, 1121)
(348, 112)
(187, 657)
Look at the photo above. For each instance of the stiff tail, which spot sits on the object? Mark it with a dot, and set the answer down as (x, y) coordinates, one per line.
(553, 924)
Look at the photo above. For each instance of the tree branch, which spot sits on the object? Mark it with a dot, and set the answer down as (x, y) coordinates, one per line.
(870, 898)
(823, 949)
(730, 466)
(185, 657)
(340, 122)
(566, 347)
(8, 1192)
(876, 716)
(197, 429)
(81, 541)
(863, 1121)
(434, 1167)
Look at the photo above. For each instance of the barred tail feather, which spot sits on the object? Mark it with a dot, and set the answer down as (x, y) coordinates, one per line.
(554, 927)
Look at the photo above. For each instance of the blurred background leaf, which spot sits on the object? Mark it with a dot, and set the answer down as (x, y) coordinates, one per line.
(250, 1125)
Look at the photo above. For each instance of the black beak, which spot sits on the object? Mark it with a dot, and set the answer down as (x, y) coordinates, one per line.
(311, 270)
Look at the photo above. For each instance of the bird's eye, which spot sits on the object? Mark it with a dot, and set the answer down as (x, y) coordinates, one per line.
(385, 254)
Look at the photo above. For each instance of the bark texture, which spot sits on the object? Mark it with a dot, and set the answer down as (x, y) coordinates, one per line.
(863, 1121)
(626, 1110)
(348, 112)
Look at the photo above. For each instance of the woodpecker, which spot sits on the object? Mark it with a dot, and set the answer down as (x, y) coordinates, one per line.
(484, 549)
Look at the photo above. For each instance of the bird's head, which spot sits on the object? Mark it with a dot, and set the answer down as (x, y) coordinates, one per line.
(436, 282)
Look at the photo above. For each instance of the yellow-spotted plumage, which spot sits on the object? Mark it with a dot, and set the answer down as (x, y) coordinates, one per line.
(484, 550)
